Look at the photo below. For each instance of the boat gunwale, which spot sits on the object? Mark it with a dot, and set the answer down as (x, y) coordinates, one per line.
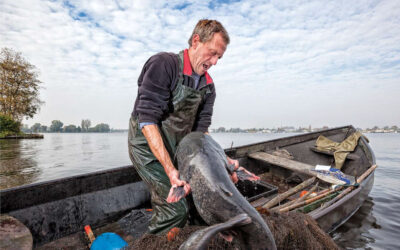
(304, 136)
(63, 179)
(34, 188)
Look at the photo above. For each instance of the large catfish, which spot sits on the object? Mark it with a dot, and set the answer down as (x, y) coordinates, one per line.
(202, 163)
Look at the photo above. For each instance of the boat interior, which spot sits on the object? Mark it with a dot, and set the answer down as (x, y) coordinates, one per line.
(274, 161)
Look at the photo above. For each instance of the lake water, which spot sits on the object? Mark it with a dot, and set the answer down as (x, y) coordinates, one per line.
(375, 226)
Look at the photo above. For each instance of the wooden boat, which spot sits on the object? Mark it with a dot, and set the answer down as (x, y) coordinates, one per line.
(56, 211)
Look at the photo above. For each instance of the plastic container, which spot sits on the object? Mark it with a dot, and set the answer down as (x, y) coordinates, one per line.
(255, 190)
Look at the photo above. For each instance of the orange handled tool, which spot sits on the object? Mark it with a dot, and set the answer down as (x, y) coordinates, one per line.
(90, 234)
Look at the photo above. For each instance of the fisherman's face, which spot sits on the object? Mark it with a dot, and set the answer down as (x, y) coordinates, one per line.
(205, 55)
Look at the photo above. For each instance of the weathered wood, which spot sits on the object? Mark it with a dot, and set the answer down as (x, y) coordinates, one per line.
(296, 166)
(277, 208)
(350, 156)
(288, 193)
(316, 204)
(261, 201)
(283, 162)
(300, 204)
(323, 194)
(298, 200)
(366, 173)
(323, 191)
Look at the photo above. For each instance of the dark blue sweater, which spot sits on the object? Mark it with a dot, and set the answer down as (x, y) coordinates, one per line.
(155, 86)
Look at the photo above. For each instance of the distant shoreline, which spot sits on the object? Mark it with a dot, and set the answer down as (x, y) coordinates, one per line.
(23, 136)
(216, 132)
(119, 131)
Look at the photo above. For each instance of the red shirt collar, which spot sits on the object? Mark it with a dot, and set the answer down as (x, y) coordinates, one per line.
(187, 68)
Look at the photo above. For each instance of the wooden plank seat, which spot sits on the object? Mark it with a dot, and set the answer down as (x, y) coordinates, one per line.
(292, 165)
(283, 162)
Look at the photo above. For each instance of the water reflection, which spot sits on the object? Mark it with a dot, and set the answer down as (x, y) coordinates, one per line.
(17, 163)
(355, 232)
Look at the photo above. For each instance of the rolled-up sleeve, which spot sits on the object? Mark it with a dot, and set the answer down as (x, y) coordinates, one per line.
(154, 88)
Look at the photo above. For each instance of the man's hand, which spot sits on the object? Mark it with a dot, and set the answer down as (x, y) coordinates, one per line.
(231, 161)
(179, 188)
(240, 173)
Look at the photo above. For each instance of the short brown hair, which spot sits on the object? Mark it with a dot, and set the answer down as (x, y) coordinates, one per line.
(206, 28)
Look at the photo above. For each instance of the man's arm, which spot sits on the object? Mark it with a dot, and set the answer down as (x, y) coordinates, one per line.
(154, 139)
(155, 86)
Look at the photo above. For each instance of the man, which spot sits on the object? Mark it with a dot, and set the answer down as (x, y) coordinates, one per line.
(175, 96)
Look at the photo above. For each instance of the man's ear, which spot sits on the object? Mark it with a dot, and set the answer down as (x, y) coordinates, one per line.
(195, 40)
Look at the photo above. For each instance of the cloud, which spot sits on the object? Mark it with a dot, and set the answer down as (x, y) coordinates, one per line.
(290, 63)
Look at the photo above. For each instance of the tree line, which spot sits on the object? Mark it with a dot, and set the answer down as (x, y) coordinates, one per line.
(58, 127)
(19, 98)
(19, 91)
(19, 86)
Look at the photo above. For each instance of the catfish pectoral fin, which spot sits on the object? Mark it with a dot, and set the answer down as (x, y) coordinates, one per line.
(175, 194)
(201, 238)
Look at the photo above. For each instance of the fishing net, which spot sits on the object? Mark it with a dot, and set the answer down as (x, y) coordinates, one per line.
(291, 231)
(151, 241)
(295, 230)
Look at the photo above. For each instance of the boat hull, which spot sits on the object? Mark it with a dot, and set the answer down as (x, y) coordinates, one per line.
(55, 209)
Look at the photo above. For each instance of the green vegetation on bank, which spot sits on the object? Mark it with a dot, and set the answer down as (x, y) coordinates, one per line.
(19, 93)
(58, 127)
(19, 98)
(8, 126)
(19, 86)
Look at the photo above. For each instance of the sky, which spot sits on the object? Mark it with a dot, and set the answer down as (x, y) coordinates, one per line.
(289, 63)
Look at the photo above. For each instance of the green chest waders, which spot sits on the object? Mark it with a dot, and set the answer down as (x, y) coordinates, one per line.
(179, 123)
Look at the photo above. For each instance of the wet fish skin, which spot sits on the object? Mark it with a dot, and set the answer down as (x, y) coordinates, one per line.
(202, 163)
(201, 238)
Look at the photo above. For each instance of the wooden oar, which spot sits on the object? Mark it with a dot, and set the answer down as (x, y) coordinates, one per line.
(300, 204)
(323, 191)
(346, 191)
(288, 193)
(300, 199)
